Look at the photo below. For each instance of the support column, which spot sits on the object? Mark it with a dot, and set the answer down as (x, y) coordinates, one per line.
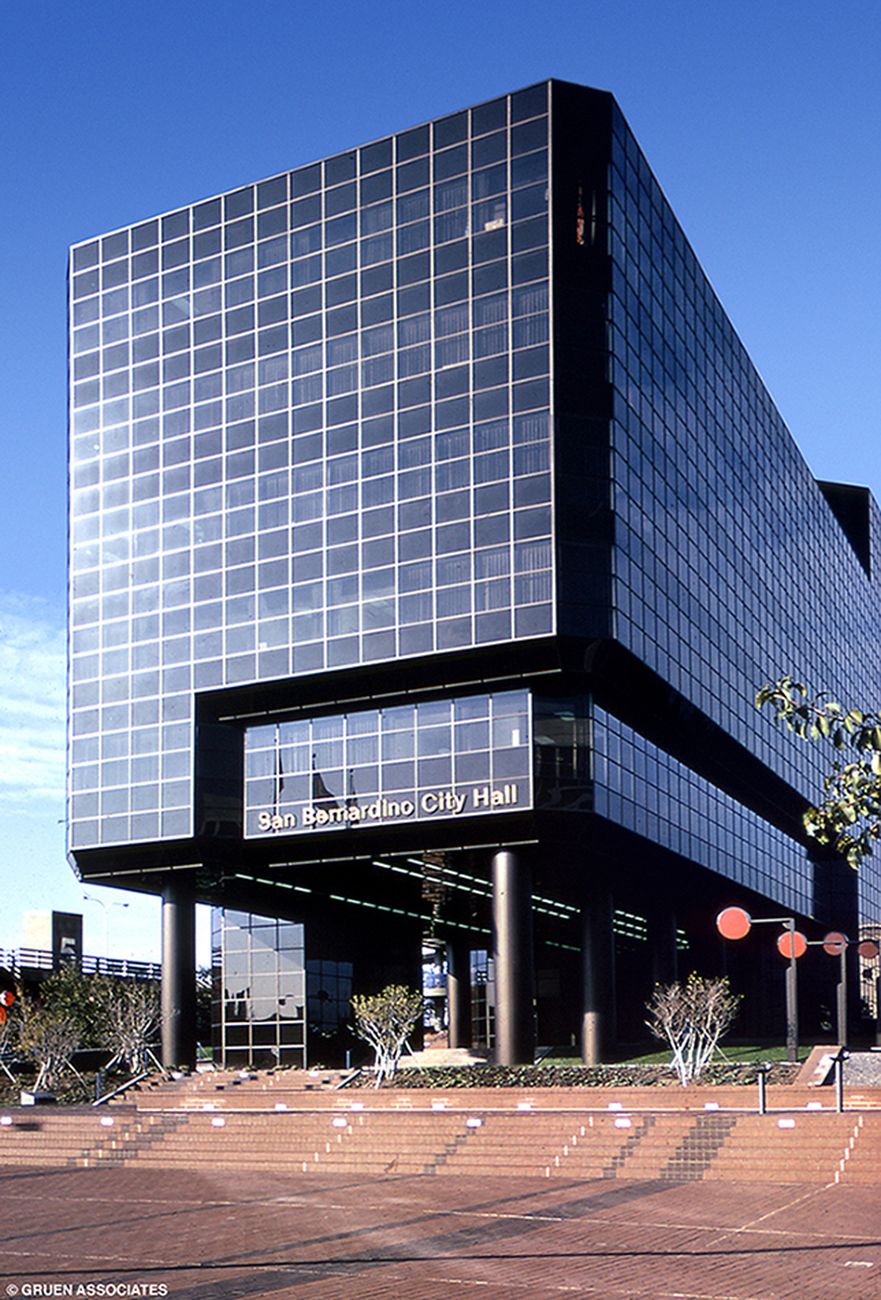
(598, 973)
(178, 976)
(458, 994)
(512, 950)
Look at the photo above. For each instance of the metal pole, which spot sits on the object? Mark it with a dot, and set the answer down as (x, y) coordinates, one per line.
(792, 996)
(763, 1086)
(90, 898)
(839, 1081)
(841, 1000)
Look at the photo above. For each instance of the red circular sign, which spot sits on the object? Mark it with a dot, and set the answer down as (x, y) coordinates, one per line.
(787, 941)
(733, 923)
(6, 998)
(868, 949)
(2, 1014)
(835, 943)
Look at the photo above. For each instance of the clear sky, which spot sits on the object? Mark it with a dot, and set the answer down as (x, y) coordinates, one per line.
(761, 120)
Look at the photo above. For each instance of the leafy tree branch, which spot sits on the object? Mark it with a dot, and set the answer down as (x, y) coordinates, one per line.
(848, 818)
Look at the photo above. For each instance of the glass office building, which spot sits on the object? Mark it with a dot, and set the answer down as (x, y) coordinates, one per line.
(423, 498)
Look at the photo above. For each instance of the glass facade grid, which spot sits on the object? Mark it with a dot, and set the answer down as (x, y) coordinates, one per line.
(638, 786)
(724, 542)
(310, 428)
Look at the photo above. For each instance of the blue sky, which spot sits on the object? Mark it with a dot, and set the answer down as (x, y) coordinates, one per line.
(761, 121)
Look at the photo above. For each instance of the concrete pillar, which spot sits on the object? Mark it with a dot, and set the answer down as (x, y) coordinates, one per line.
(662, 944)
(598, 973)
(512, 950)
(458, 994)
(178, 975)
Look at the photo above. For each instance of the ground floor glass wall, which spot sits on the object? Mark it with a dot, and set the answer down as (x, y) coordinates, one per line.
(259, 990)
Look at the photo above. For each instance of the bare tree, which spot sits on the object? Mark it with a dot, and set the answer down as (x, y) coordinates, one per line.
(692, 1017)
(385, 1021)
(131, 1024)
(49, 1038)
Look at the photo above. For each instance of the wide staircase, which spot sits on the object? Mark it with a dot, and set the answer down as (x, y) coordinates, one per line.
(303, 1123)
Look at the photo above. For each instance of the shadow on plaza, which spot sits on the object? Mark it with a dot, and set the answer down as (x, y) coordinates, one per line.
(462, 1245)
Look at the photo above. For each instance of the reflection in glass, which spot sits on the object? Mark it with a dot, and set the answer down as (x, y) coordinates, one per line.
(349, 771)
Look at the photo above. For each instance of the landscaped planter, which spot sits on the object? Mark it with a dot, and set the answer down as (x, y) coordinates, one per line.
(569, 1076)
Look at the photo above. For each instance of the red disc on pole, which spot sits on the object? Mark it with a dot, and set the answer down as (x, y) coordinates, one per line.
(733, 923)
(6, 998)
(786, 942)
(868, 949)
(835, 943)
(2, 1015)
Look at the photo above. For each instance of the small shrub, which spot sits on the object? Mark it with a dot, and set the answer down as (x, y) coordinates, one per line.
(385, 1021)
(692, 1017)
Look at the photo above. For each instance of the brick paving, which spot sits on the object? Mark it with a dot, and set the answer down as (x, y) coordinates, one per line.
(225, 1235)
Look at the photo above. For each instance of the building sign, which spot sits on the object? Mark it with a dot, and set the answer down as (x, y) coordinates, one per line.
(419, 762)
(447, 803)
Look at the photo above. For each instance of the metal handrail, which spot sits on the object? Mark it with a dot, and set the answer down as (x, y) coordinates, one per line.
(123, 1087)
(89, 964)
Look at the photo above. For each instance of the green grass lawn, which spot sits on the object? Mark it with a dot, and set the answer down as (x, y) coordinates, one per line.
(745, 1053)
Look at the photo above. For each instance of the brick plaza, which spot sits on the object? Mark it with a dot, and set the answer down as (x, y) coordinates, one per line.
(242, 1234)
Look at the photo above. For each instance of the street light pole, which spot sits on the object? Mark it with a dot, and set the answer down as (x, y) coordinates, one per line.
(836, 944)
(735, 923)
(791, 995)
(91, 898)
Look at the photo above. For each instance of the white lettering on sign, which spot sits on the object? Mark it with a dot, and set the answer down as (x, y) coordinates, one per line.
(487, 797)
(276, 821)
(443, 801)
(433, 803)
(379, 811)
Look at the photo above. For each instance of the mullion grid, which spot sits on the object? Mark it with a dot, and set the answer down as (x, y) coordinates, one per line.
(512, 551)
(469, 202)
(111, 796)
(165, 808)
(163, 322)
(228, 536)
(432, 344)
(103, 794)
(552, 424)
(252, 276)
(84, 795)
(438, 622)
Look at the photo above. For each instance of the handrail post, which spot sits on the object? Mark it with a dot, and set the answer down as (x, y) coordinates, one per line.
(840, 1057)
(763, 1088)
